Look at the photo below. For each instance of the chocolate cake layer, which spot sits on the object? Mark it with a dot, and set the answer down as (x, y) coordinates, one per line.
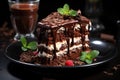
(61, 34)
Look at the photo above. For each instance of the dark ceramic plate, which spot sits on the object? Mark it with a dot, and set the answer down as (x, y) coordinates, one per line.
(107, 52)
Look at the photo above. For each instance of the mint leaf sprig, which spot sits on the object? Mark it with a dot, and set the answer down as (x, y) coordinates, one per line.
(88, 57)
(28, 46)
(66, 11)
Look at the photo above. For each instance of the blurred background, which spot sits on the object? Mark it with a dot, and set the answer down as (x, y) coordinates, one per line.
(108, 13)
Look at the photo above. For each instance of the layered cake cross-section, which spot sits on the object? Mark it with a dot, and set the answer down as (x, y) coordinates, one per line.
(60, 35)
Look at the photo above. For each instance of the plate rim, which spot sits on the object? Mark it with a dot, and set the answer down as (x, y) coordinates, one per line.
(43, 66)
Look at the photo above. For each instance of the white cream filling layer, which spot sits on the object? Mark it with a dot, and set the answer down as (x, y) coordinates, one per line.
(64, 43)
(58, 45)
(86, 38)
(77, 27)
(62, 52)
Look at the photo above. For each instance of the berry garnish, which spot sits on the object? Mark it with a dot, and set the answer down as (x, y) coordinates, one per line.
(28, 45)
(69, 63)
(89, 57)
(35, 52)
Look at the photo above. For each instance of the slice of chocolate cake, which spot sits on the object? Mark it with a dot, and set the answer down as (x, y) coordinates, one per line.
(60, 35)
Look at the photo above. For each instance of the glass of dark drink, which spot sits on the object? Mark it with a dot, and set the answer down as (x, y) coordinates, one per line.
(24, 15)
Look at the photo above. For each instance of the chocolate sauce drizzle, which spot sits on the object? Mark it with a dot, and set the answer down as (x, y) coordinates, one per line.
(54, 22)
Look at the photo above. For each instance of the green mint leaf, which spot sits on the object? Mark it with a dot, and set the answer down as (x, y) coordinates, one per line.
(25, 45)
(61, 11)
(94, 53)
(23, 41)
(32, 45)
(88, 56)
(66, 11)
(66, 8)
(83, 56)
(88, 61)
(84, 53)
(23, 48)
(72, 13)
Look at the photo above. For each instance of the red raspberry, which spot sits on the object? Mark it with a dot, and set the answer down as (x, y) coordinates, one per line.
(35, 52)
(69, 63)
